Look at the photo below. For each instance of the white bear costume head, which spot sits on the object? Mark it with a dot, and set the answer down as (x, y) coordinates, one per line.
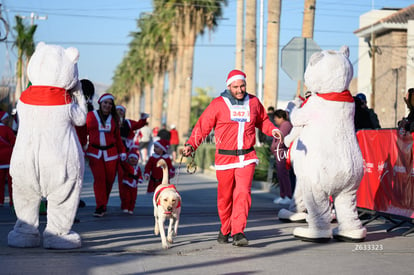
(329, 71)
(52, 65)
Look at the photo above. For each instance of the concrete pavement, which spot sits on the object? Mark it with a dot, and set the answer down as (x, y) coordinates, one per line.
(123, 244)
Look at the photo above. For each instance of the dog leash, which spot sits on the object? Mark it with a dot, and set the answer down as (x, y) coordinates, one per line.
(191, 167)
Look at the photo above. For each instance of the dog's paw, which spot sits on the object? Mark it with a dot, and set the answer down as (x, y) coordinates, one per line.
(165, 246)
(170, 239)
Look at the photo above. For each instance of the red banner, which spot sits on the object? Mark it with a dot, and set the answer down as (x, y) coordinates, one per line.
(388, 182)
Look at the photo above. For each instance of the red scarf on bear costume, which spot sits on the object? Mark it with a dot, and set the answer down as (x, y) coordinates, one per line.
(344, 96)
(45, 96)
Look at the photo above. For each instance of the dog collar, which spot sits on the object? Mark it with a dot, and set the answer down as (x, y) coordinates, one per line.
(156, 197)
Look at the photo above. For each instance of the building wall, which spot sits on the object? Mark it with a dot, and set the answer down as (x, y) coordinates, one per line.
(390, 66)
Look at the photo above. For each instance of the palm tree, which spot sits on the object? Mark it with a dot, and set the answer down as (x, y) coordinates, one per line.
(250, 55)
(271, 80)
(25, 48)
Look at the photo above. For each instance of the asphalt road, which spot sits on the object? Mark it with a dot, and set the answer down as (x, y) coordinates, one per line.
(120, 243)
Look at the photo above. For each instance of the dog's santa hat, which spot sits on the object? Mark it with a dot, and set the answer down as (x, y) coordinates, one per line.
(163, 144)
(3, 115)
(235, 75)
(106, 96)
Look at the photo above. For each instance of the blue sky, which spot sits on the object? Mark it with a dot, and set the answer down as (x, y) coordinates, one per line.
(100, 29)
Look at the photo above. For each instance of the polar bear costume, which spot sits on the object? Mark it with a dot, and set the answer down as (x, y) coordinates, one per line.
(326, 155)
(47, 160)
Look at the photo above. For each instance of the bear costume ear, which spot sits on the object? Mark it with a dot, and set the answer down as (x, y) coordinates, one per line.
(72, 54)
(345, 50)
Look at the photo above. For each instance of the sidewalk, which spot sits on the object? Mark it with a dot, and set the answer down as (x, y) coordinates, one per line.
(122, 244)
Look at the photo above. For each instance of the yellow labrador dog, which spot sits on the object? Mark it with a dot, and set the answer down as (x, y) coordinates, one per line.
(167, 205)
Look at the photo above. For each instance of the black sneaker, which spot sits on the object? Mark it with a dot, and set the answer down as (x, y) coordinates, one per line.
(223, 238)
(240, 240)
(99, 212)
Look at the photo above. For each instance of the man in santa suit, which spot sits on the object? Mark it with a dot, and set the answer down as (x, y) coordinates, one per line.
(234, 115)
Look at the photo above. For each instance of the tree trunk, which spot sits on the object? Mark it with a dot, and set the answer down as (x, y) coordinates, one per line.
(251, 46)
(271, 81)
(308, 18)
(171, 109)
(239, 35)
(188, 64)
(148, 99)
(158, 98)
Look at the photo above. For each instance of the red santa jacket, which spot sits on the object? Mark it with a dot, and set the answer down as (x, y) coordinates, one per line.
(174, 140)
(103, 139)
(234, 129)
(7, 140)
(132, 174)
(127, 131)
(155, 172)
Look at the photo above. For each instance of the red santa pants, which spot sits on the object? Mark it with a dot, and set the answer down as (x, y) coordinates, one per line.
(4, 173)
(130, 197)
(121, 187)
(234, 198)
(104, 173)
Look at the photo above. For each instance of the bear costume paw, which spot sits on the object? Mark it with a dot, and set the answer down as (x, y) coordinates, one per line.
(20, 239)
(71, 240)
(285, 215)
(353, 236)
(312, 235)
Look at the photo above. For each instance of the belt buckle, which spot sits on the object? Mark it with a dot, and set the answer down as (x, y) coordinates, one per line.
(239, 152)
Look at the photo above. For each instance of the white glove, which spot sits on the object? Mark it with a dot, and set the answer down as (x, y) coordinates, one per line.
(122, 156)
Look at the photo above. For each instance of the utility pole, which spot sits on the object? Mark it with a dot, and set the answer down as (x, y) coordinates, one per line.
(307, 30)
(240, 35)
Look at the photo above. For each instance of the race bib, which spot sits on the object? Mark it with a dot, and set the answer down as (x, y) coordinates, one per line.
(240, 113)
(106, 127)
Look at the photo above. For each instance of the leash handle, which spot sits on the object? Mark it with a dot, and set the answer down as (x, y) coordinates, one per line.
(192, 166)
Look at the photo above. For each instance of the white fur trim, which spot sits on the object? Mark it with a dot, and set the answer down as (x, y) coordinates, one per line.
(234, 78)
(105, 97)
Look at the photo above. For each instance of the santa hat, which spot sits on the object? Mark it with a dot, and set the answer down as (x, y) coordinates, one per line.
(106, 96)
(235, 75)
(163, 144)
(121, 108)
(133, 155)
(3, 115)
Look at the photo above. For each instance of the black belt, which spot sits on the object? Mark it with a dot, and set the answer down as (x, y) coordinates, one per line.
(135, 177)
(102, 147)
(235, 152)
(156, 180)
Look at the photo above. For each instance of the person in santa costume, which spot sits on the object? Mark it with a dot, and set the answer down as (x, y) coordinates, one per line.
(152, 173)
(131, 176)
(7, 140)
(234, 115)
(127, 128)
(47, 160)
(104, 149)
